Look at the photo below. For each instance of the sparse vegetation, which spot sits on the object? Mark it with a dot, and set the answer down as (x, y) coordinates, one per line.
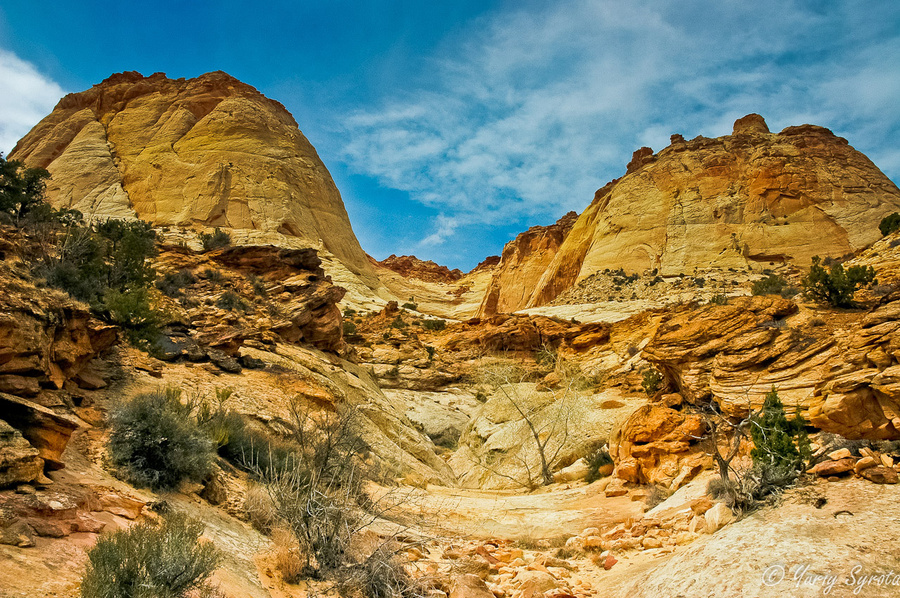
(889, 224)
(232, 302)
(651, 381)
(781, 451)
(596, 460)
(215, 240)
(173, 283)
(155, 442)
(410, 306)
(434, 325)
(836, 286)
(163, 559)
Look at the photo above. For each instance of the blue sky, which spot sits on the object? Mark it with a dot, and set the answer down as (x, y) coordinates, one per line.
(451, 126)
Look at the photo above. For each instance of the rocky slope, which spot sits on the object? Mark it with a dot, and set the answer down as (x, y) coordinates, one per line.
(745, 200)
(198, 153)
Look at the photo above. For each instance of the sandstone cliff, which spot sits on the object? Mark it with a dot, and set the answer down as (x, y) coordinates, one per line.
(203, 152)
(521, 266)
(748, 199)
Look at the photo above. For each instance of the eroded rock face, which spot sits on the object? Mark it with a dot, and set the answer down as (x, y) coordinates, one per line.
(412, 267)
(659, 445)
(19, 461)
(203, 152)
(844, 380)
(46, 338)
(521, 266)
(742, 200)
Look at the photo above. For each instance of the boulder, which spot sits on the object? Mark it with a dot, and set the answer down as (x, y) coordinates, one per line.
(20, 463)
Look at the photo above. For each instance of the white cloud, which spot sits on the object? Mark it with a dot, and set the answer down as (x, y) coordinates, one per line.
(530, 113)
(26, 96)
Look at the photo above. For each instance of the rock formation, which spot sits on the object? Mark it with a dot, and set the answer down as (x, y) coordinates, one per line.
(411, 266)
(521, 266)
(748, 199)
(844, 379)
(204, 152)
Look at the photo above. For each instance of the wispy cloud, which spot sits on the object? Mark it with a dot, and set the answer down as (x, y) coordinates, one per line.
(26, 96)
(525, 116)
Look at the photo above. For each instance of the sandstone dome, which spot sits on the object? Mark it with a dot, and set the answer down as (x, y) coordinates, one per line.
(199, 153)
(746, 200)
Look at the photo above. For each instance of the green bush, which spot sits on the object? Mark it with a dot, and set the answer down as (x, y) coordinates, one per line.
(215, 240)
(889, 224)
(596, 459)
(434, 325)
(835, 286)
(410, 306)
(155, 441)
(232, 302)
(245, 447)
(173, 282)
(21, 189)
(779, 443)
(213, 276)
(651, 381)
(131, 310)
(151, 560)
(349, 328)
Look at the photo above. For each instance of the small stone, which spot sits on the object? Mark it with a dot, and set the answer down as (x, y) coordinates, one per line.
(840, 454)
(718, 517)
(880, 475)
(865, 463)
(609, 561)
(590, 531)
(651, 542)
(887, 460)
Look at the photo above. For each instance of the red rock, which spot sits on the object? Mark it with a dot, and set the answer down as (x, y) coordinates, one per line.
(880, 475)
(609, 561)
(831, 468)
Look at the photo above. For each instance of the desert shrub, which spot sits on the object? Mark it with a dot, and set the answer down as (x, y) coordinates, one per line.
(410, 306)
(213, 276)
(699, 281)
(21, 189)
(349, 328)
(215, 240)
(718, 299)
(835, 286)
(242, 445)
(162, 559)
(173, 282)
(434, 325)
(131, 310)
(398, 323)
(430, 350)
(381, 575)
(889, 224)
(232, 302)
(317, 494)
(546, 356)
(770, 285)
(259, 287)
(154, 441)
(651, 381)
(778, 442)
(287, 557)
(595, 460)
(259, 509)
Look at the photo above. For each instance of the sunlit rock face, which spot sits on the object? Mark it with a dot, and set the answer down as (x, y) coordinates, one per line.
(749, 199)
(203, 152)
